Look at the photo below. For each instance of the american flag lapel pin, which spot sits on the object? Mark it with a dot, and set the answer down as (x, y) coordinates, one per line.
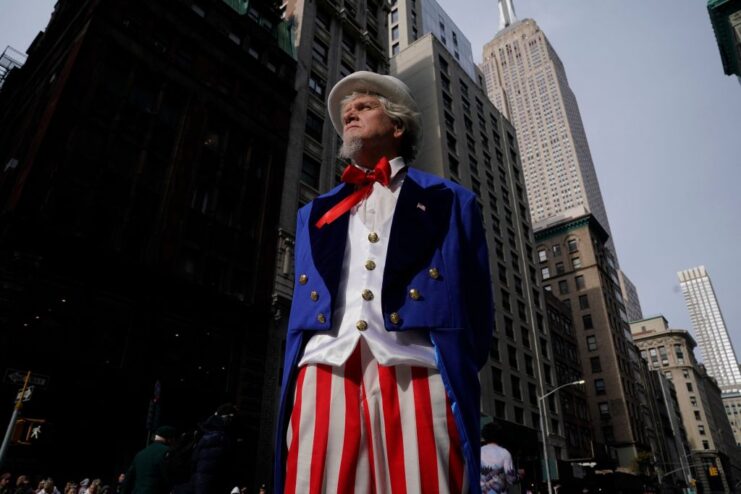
(421, 206)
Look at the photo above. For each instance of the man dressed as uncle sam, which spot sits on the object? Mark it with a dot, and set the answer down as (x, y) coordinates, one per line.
(391, 317)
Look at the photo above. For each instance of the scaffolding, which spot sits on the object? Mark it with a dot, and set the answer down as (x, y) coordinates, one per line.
(9, 60)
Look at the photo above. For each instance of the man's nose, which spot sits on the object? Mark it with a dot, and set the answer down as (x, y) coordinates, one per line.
(350, 116)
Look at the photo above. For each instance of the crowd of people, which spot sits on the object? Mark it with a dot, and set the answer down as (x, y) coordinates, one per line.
(21, 484)
(195, 462)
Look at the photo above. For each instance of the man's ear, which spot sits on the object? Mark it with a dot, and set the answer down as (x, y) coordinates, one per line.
(398, 131)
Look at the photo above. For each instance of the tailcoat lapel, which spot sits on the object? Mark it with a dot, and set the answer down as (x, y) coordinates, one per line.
(328, 242)
(420, 224)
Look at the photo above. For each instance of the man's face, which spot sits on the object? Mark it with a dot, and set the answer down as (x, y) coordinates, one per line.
(366, 126)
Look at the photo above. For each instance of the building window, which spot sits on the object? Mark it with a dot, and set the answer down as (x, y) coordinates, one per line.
(591, 343)
(395, 33)
(542, 255)
(701, 429)
(583, 302)
(579, 282)
(559, 268)
(545, 273)
(685, 373)
(604, 409)
(310, 172)
(494, 349)
(556, 249)
(516, 391)
(576, 262)
(599, 386)
(693, 401)
(323, 20)
(512, 357)
(697, 415)
(519, 415)
(571, 243)
(316, 85)
(705, 445)
(320, 52)
(563, 287)
(689, 387)
(394, 16)
(596, 364)
(496, 380)
(587, 321)
(395, 49)
(314, 125)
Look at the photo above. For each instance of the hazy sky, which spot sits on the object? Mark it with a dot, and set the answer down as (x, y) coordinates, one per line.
(662, 120)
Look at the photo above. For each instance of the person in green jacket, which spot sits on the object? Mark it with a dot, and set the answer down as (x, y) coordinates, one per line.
(147, 475)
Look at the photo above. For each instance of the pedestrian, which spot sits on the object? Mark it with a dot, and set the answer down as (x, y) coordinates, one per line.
(120, 483)
(48, 487)
(146, 475)
(213, 459)
(23, 485)
(5, 485)
(391, 316)
(84, 484)
(497, 470)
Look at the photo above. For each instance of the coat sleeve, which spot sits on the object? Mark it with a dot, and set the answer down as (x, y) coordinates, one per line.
(476, 281)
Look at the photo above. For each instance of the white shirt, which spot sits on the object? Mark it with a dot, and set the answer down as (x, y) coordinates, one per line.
(352, 310)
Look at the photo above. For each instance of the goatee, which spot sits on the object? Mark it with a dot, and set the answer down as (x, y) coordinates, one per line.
(350, 148)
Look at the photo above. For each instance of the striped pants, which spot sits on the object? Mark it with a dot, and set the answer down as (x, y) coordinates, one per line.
(368, 428)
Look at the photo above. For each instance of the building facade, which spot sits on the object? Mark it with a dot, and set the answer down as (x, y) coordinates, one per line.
(410, 20)
(712, 449)
(332, 39)
(710, 328)
(527, 82)
(573, 399)
(630, 297)
(145, 143)
(468, 141)
(577, 267)
(732, 404)
(725, 16)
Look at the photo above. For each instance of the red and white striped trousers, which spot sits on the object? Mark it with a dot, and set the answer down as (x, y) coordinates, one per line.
(368, 428)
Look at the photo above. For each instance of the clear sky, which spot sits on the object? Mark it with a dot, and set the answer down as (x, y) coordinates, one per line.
(663, 123)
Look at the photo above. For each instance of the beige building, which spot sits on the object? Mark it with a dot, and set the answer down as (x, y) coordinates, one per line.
(732, 405)
(527, 81)
(671, 351)
(578, 268)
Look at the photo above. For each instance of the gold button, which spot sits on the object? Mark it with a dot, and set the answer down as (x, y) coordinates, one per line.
(321, 318)
(434, 273)
(373, 237)
(367, 294)
(414, 293)
(314, 295)
(361, 325)
(395, 318)
(303, 279)
(370, 265)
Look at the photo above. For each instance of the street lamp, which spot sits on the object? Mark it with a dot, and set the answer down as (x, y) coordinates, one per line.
(541, 404)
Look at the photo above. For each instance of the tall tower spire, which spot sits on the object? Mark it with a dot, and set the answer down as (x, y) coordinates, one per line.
(506, 13)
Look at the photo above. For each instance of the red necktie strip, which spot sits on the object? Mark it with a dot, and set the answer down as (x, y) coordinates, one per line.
(363, 180)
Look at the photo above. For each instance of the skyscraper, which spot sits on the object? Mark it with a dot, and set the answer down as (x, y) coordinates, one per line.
(710, 329)
(526, 81)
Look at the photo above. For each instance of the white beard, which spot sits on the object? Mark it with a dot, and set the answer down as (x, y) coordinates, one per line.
(350, 148)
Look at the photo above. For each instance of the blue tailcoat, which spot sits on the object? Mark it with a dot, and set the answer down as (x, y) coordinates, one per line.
(436, 224)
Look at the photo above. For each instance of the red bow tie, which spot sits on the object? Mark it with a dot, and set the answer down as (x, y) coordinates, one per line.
(363, 180)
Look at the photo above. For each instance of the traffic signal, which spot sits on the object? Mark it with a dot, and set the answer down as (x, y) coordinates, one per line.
(27, 431)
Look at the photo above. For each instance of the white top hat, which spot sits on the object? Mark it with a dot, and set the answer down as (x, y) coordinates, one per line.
(362, 81)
